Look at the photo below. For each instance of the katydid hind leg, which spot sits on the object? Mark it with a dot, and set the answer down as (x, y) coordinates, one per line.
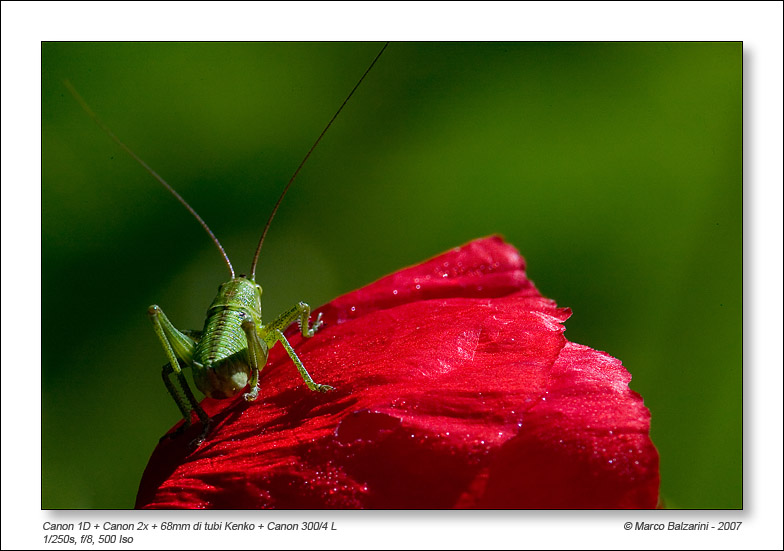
(276, 335)
(186, 404)
(179, 346)
(179, 399)
(176, 344)
(300, 313)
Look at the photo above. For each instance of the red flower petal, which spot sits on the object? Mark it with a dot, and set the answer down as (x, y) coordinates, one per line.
(454, 388)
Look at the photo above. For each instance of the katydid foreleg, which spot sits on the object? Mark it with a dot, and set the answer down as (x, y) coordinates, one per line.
(262, 339)
(231, 350)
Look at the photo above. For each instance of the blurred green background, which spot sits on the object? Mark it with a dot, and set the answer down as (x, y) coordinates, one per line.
(615, 168)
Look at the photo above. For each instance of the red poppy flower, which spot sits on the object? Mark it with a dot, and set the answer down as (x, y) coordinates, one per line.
(454, 387)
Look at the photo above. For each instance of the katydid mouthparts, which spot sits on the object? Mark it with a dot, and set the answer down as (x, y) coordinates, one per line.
(230, 351)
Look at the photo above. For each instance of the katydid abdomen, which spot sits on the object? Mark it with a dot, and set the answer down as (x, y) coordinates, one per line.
(227, 355)
(220, 358)
(231, 350)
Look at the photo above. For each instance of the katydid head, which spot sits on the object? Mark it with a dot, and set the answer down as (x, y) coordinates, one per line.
(235, 309)
(228, 354)
(241, 294)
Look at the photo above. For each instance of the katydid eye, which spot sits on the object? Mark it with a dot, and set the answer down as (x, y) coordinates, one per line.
(221, 360)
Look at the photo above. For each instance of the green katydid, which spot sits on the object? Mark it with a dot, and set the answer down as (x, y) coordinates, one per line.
(230, 351)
